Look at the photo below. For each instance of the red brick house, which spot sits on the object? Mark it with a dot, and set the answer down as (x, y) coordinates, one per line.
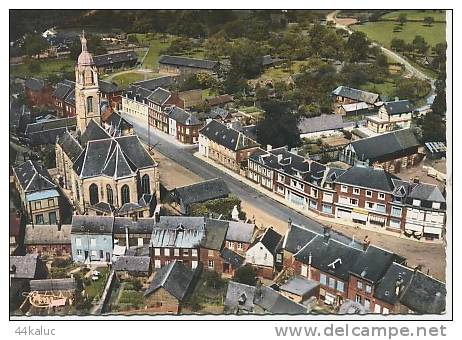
(63, 98)
(38, 92)
(48, 240)
(158, 101)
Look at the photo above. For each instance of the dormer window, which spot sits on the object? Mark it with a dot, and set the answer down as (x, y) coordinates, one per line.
(436, 205)
(344, 188)
(416, 203)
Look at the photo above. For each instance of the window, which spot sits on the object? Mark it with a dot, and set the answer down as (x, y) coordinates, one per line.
(52, 217)
(380, 207)
(368, 193)
(94, 253)
(359, 285)
(94, 196)
(416, 203)
(384, 310)
(368, 289)
(157, 251)
(353, 201)
(381, 196)
(145, 185)
(77, 194)
(210, 264)
(355, 191)
(326, 208)
(125, 194)
(101, 254)
(436, 205)
(340, 286)
(323, 279)
(90, 104)
(395, 211)
(93, 242)
(358, 298)
(39, 219)
(313, 204)
(344, 188)
(367, 303)
(194, 252)
(240, 246)
(51, 202)
(79, 252)
(331, 283)
(185, 252)
(78, 242)
(110, 194)
(394, 223)
(193, 264)
(38, 205)
(156, 263)
(167, 251)
(140, 242)
(370, 205)
(176, 252)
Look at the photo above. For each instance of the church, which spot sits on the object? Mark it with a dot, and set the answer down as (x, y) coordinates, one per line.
(104, 173)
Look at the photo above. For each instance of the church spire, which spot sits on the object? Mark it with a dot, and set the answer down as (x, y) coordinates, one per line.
(83, 41)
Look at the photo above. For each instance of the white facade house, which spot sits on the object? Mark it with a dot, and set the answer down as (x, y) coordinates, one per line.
(259, 255)
(172, 127)
(204, 145)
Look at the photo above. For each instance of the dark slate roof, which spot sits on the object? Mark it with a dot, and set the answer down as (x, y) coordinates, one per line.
(62, 89)
(70, 146)
(152, 84)
(274, 303)
(175, 278)
(47, 234)
(113, 58)
(82, 224)
(118, 166)
(70, 97)
(117, 124)
(34, 84)
(355, 94)
(132, 263)
(202, 191)
(93, 131)
(398, 107)
(368, 177)
(140, 226)
(178, 232)
(135, 151)
(424, 295)
(373, 263)
(240, 231)
(297, 237)
(385, 290)
(51, 124)
(217, 113)
(320, 123)
(183, 117)
(220, 100)
(268, 60)
(53, 285)
(159, 96)
(232, 258)
(271, 240)
(188, 62)
(381, 146)
(103, 207)
(137, 93)
(25, 266)
(331, 257)
(239, 296)
(299, 285)
(32, 176)
(215, 232)
(107, 87)
(227, 137)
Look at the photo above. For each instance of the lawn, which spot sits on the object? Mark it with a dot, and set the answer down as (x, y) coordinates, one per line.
(382, 32)
(416, 15)
(47, 68)
(387, 88)
(96, 287)
(124, 79)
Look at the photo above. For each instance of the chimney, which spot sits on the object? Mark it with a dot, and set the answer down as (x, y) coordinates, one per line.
(279, 157)
(398, 284)
(416, 180)
(269, 147)
(366, 242)
(157, 217)
(289, 224)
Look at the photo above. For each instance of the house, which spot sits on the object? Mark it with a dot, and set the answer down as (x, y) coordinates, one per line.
(225, 145)
(265, 254)
(391, 116)
(184, 66)
(190, 98)
(183, 125)
(38, 92)
(63, 98)
(356, 109)
(135, 103)
(112, 93)
(132, 266)
(239, 236)
(133, 232)
(65, 286)
(218, 113)
(200, 192)
(158, 101)
(391, 151)
(48, 130)
(435, 150)
(221, 101)
(92, 239)
(347, 95)
(239, 298)
(48, 240)
(269, 61)
(111, 61)
(170, 288)
(212, 245)
(39, 194)
(152, 84)
(16, 231)
(299, 289)
(115, 125)
(232, 261)
(323, 125)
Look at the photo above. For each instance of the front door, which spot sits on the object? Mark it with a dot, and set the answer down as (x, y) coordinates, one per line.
(108, 257)
(86, 254)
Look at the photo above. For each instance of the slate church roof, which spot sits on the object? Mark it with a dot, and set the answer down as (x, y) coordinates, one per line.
(32, 176)
(202, 191)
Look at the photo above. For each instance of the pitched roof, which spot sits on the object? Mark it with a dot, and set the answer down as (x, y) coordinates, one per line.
(132, 263)
(32, 176)
(385, 290)
(178, 232)
(70, 146)
(25, 267)
(398, 107)
(239, 296)
(53, 285)
(183, 117)
(297, 237)
(159, 96)
(227, 137)
(202, 191)
(271, 240)
(373, 263)
(188, 62)
(240, 231)
(320, 123)
(152, 84)
(274, 303)
(34, 84)
(63, 88)
(215, 232)
(108, 87)
(51, 124)
(299, 285)
(47, 234)
(355, 107)
(118, 166)
(368, 177)
(175, 278)
(232, 258)
(355, 94)
(112, 58)
(140, 226)
(92, 224)
(380, 146)
(220, 100)
(93, 131)
(117, 124)
(137, 93)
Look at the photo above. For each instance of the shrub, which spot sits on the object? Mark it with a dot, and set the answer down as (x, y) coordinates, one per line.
(246, 275)
(213, 279)
(61, 262)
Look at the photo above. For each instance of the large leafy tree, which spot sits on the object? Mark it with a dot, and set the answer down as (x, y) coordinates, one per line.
(357, 46)
(34, 44)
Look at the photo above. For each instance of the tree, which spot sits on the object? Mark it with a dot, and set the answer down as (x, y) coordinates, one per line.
(412, 89)
(261, 93)
(402, 18)
(357, 46)
(279, 126)
(34, 44)
(246, 59)
(433, 129)
(439, 104)
(428, 21)
(420, 44)
(398, 44)
(246, 275)
(212, 279)
(94, 44)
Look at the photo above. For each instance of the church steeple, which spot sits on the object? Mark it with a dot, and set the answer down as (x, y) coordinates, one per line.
(87, 96)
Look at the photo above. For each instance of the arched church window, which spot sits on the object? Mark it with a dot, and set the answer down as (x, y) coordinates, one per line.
(125, 194)
(90, 104)
(145, 185)
(94, 196)
(110, 195)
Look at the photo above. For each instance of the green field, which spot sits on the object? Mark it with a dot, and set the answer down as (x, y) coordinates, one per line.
(382, 32)
(47, 68)
(387, 88)
(125, 79)
(416, 15)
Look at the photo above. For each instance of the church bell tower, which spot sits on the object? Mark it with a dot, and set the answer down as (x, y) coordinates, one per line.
(87, 95)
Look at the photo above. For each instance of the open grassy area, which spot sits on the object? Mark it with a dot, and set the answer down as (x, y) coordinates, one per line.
(96, 287)
(387, 88)
(47, 68)
(281, 73)
(124, 79)
(382, 32)
(416, 15)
